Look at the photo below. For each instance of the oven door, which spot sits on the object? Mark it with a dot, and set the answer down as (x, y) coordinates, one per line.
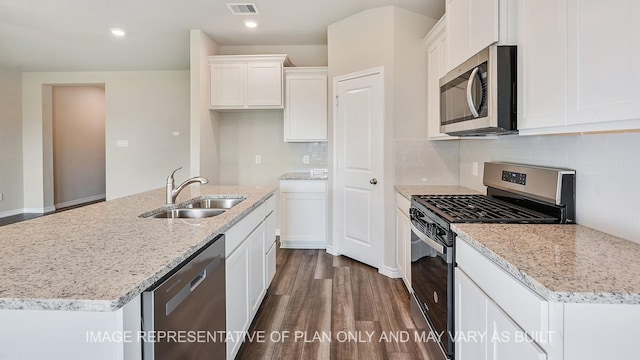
(432, 267)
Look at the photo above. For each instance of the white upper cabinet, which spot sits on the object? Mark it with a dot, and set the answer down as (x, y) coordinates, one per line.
(542, 59)
(436, 42)
(577, 66)
(247, 82)
(604, 61)
(305, 111)
(472, 25)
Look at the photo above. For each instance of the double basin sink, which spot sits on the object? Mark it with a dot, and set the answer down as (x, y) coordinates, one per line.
(197, 208)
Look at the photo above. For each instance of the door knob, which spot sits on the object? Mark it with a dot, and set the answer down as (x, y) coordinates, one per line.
(373, 181)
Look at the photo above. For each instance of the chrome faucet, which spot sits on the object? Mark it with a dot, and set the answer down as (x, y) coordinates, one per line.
(172, 192)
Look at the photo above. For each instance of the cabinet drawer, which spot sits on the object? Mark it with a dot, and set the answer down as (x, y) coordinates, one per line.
(403, 203)
(526, 308)
(238, 232)
(306, 186)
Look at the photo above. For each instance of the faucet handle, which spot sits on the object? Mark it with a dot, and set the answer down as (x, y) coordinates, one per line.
(170, 178)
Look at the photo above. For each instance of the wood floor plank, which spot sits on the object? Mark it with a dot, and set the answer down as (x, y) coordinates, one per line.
(341, 261)
(301, 310)
(269, 319)
(370, 346)
(364, 308)
(403, 356)
(318, 328)
(326, 298)
(342, 317)
(324, 267)
(389, 317)
(288, 271)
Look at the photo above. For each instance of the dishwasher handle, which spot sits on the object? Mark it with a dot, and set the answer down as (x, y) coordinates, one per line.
(184, 293)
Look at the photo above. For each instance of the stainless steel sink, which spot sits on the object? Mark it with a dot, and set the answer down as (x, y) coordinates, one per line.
(214, 203)
(186, 213)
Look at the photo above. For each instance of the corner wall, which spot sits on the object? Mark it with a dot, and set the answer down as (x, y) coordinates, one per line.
(10, 143)
(390, 37)
(143, 107)
(78, 144)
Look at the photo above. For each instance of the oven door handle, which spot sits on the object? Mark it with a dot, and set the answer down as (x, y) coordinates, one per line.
(432, 243)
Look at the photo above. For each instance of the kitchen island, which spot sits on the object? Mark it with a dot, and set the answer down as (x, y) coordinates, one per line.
(83, 270)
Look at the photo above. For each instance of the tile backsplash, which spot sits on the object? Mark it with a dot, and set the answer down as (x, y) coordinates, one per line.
(607, 173)
(424, 162)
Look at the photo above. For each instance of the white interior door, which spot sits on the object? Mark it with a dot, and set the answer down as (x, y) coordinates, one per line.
(358, 166)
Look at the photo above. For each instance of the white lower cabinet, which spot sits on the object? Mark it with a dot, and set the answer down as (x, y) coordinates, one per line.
(257, 263)
(270, 242)
(403, 239)
(237, 286)
(507, 340)
(303, 214)
(470, 318)
(484, 331)
(246, 271)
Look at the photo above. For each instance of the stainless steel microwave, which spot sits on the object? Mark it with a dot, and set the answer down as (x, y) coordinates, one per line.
(479, 97)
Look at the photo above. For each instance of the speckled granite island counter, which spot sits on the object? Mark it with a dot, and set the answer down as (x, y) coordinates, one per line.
(563, 263)
(99, 257)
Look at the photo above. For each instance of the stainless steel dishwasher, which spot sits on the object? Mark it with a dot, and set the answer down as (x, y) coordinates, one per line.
(184, 315)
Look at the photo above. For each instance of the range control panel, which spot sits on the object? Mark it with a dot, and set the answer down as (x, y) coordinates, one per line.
(514, 177)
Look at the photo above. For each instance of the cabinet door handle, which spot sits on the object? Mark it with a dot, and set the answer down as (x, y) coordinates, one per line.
(373, 181)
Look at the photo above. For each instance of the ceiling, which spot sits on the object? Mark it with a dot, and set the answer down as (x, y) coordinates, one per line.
(74, 35)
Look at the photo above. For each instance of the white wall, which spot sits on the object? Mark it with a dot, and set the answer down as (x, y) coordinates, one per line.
(607, 173)
(246, 134)
(10, 143)
(390, 37)
(144, 108)
(78, 144)
(204, 131)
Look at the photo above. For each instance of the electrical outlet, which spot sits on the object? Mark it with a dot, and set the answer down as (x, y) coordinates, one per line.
(305, 159)
(475, 168)
(258, 159)
(1, 196)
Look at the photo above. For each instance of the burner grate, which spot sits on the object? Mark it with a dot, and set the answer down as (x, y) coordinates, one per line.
(480, 208)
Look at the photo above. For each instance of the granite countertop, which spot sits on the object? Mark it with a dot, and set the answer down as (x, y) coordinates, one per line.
(302, 176)
(99, 257)
(562, 263)
(408, 190)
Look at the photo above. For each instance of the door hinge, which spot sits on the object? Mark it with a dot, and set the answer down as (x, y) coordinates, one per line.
(337, 102)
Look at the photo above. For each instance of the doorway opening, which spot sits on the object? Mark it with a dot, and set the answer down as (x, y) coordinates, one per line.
(78, 139)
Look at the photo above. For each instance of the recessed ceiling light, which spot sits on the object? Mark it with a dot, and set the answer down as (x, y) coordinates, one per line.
(118, 32)
(250, 24)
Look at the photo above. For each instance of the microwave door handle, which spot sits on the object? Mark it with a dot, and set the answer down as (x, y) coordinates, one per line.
(472, 105)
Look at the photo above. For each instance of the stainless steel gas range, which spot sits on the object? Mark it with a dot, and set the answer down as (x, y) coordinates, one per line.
(515, 194)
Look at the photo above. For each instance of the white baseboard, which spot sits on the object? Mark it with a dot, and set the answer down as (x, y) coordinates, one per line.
(79, 201)
(11, 212)
(300, 244)
(332, 251)
(39, 210)
(391, 272)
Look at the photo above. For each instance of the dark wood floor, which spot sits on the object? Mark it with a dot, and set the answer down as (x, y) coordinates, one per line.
(27, 216)
(332, 308)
